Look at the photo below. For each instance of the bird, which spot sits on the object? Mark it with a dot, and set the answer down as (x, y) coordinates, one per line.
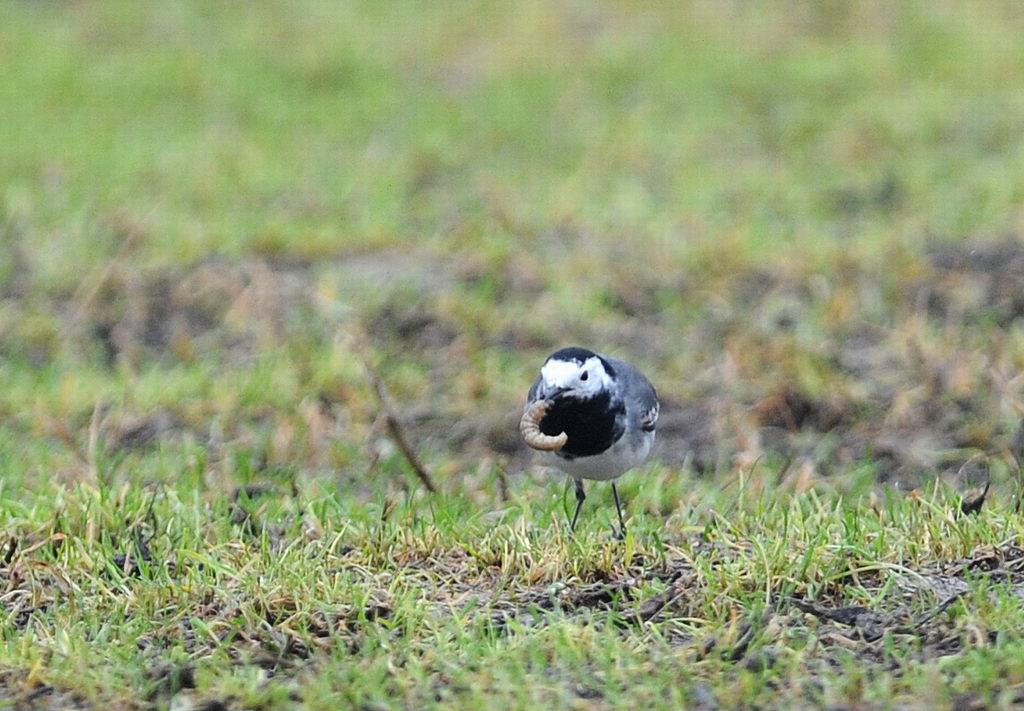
(593, 417)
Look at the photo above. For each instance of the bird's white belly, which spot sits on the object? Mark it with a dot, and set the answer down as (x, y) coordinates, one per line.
(610, 464)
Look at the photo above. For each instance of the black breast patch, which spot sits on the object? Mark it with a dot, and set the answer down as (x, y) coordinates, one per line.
(592, 425)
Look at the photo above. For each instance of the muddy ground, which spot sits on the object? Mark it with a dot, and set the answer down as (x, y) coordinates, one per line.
(909, 371)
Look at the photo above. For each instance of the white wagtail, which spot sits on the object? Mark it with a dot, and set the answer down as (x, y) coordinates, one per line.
(593, 417)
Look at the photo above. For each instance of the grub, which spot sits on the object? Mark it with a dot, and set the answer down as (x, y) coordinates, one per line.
(533, 435)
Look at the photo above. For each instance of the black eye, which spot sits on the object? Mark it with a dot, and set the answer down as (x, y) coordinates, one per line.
(585, 375)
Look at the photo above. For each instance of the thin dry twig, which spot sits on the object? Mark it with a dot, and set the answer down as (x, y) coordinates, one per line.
(395, 430)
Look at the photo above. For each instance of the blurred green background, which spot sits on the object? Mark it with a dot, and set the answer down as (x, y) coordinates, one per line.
(795, 217)
(801, 220)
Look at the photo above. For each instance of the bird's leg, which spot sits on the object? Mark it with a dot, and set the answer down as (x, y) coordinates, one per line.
(621, 533)
(580, 498)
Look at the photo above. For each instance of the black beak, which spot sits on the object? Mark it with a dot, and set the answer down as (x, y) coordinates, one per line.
(554, 393)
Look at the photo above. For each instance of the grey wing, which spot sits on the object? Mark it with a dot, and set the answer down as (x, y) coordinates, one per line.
(649, 416)
(642, 399)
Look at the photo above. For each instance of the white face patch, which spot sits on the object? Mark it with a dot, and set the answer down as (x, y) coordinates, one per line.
(585, 380)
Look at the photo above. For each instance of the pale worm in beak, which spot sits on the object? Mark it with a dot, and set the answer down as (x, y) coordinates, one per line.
(529, 427)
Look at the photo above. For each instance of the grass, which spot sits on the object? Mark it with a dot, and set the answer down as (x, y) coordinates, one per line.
(801, 222)
(273, 598)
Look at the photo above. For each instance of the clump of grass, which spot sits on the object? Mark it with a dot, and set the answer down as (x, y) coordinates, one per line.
(736, 587)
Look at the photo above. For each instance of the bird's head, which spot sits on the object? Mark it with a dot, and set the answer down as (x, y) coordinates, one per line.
(575, 373)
